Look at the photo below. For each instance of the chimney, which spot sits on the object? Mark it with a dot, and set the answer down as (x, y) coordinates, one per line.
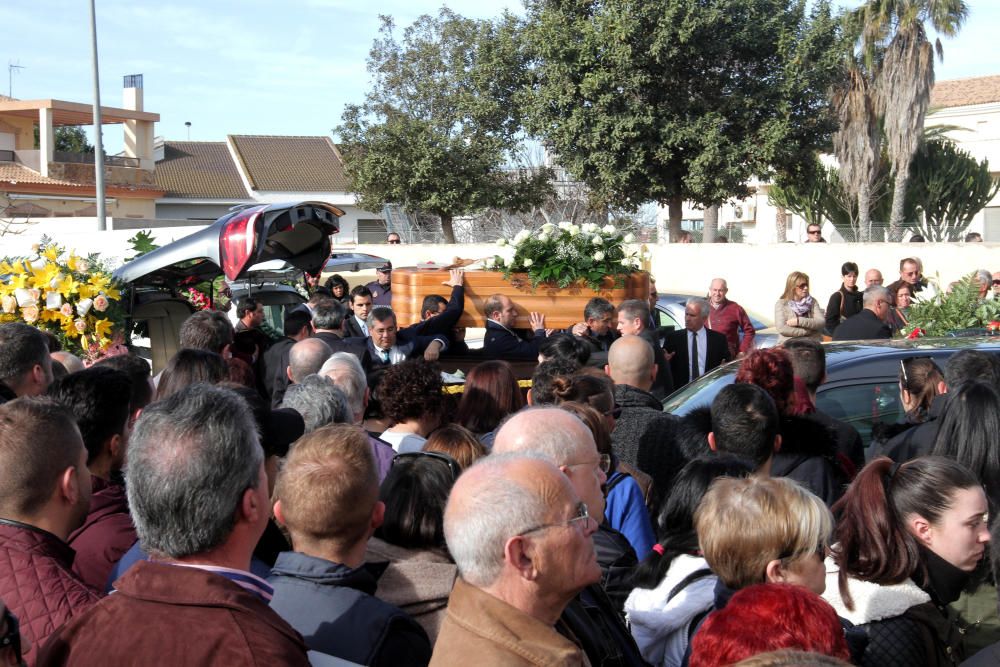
(132, 95)
(138, 133)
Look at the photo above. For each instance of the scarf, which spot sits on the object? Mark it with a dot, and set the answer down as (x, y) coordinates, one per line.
(802, 307)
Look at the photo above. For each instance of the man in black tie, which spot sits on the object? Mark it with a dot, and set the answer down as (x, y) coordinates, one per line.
(695, 350)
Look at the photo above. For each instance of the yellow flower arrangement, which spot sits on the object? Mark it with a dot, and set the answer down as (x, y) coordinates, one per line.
(74, 298)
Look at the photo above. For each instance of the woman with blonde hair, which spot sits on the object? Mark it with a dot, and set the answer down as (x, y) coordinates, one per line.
(796, 314)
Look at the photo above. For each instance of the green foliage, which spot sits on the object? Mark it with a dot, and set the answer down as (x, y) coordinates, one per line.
(961, 308)
(568, 254)
(69, 138)
(672, 100)
(142, 243)
(439, 123)
(949, 187)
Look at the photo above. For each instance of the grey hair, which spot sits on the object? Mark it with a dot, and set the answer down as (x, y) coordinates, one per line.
(329, 314)
(701, 303)
(319, 401)
(874, 294)
(597, 308)
(984, 276)
(191, 458)
(306, 357)
(635, 309)
(379, 314)
(351, 380)
(476, 534)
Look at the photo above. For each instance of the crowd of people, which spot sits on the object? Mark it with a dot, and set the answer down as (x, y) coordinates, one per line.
(324, 499)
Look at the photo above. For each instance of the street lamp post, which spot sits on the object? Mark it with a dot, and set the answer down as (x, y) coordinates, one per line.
(98, 143)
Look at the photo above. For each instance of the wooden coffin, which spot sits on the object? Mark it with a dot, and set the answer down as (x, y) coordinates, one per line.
(561, 307)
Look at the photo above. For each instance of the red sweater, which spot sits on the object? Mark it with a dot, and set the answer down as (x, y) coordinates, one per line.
(728, 319)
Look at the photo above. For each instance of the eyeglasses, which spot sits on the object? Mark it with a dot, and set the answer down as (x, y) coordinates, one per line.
(604, 462)
(12, 637)
(902, 369)
(393, 241)
(581, 515)
(452, 464)
(803, 286)
(814, 231)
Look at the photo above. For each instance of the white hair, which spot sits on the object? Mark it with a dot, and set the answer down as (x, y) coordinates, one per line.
(346, 372)
(497, 508)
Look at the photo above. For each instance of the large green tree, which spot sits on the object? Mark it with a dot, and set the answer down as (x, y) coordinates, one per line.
(894, 44)
(438, 126)
(674, 100)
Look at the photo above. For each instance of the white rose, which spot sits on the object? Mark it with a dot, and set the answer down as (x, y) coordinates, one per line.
(629, 238)
(501, 242)
(574, 230)
(597, 240)
(565, 225)
(609, 229)
(543, 237)
(548, 228)
(83, 307)
(521, 237)
(527, 263)
(599, 255)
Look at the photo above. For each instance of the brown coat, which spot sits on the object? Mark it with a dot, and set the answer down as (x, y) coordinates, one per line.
(417, 581)
(169, 615)
(490, 632)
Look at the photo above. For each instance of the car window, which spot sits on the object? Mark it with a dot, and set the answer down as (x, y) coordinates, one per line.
(701, 393)
(861, 405)
(667, 320)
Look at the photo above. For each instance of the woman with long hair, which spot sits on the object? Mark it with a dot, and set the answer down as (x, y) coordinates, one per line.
(920, 382)
(846, 301)
(673, 585)
(796, 313)
(491, 393)
(908, 539)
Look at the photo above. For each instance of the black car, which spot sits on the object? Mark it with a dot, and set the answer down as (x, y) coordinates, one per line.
(862, 385)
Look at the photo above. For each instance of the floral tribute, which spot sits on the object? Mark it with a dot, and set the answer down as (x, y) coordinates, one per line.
(72, 297)
(959, 308)
(568, 254)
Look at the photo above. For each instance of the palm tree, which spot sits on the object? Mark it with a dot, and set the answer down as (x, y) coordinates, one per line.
(856, 142)
(892, 32)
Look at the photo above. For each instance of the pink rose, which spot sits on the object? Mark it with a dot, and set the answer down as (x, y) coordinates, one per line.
(100, 303)
(67, 310)
(29, 314)
(81, 325)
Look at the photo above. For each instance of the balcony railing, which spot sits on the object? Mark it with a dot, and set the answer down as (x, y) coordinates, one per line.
(88, 158)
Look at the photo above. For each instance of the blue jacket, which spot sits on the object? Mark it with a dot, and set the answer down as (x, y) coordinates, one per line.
(626, 511)
(334, 608)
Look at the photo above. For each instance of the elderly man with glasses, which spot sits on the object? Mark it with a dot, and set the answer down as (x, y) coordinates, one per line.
(522, 540)
(870, 323)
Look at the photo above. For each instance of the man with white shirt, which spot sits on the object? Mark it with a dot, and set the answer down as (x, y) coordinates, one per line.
(361, 303)
(695, 350)
(386, 348)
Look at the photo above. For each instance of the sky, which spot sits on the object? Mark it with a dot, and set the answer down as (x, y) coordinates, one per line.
(265, 67)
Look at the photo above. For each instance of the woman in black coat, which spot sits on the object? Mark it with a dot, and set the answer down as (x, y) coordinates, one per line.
(846, 301)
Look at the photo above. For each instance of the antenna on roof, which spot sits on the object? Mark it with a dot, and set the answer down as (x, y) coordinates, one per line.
(10, 77)
(187, 124)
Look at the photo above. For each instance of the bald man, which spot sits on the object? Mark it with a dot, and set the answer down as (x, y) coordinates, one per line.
(873, 277)
(306, 358)
(71, 362)
(519, 568)
(729, 319)
(644, 434)
(567, 442)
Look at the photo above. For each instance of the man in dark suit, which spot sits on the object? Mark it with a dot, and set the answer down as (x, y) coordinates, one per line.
(870, 322)
(633, 320)
(597, 330)
(361, 305)
(387, 346)
(501, 342)
(438, 316)
(696, 349)
(297, 326)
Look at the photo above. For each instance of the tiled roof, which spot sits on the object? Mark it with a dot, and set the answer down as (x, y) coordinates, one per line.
(199, 170)
(12, 172)
(291, 164)
(4, 98)
(966, 92)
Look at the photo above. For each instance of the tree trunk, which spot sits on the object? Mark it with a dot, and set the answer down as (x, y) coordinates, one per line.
(711, 227)
(446, 228)
(864, 213)
(781, 225)
(675, 209)
(896, 220)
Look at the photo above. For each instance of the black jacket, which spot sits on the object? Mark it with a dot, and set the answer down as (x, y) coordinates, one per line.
(351, 327)
(6, 393)
(502, 343)
(643, 436)
(849, 443)
(680, 363)
(334, 609)
(663, 385)
(445, 321)
(809, 456)
(840, 308)
(590, 621)
(618, 561)
(919, 440)
(276, 369)
(863, 326)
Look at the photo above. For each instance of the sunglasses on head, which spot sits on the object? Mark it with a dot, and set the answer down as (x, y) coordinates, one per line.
(452, 464)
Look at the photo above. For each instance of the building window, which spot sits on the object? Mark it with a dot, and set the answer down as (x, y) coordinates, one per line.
(991, 223)
(371, 230)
